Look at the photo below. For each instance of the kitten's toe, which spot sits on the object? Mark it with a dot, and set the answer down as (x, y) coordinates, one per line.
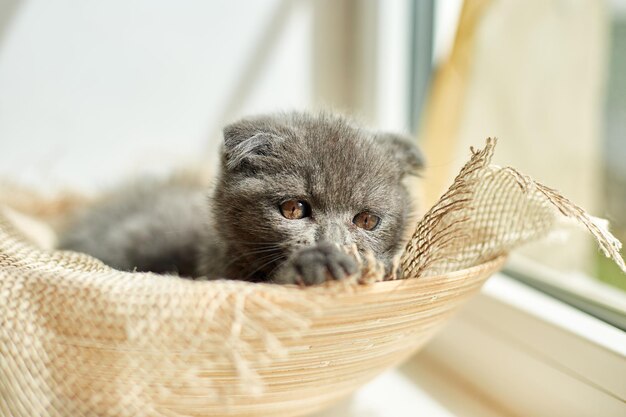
(340, 265)
(316, 265)
(312, 270)
(349, 264)
(337, 271)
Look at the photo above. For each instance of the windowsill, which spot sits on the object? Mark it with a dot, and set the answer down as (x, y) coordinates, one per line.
(422, 387)
(512, 351)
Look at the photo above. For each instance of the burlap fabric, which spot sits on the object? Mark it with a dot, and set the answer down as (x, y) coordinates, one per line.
(78, 338)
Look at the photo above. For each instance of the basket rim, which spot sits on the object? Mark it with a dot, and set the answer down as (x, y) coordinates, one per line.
(491, 265)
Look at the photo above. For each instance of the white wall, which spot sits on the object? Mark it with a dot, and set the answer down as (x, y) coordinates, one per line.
(91, 91)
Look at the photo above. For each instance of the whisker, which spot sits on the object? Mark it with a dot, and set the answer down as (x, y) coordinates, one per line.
(279, 257)
(271, 273)
(252, 252)
(255, 243)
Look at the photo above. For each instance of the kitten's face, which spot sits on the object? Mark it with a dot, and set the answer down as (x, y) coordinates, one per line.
(292, 181)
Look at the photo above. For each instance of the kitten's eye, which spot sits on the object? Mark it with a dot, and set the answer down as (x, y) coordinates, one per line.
(365, 220)
(295, 209)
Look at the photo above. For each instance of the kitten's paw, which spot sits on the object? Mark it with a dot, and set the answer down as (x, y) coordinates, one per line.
(316, 265)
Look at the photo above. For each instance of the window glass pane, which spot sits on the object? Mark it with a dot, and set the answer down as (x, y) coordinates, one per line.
(614, 147)
(549, 80)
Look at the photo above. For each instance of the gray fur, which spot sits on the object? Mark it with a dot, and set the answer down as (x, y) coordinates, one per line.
(239, 232)
(145, 226)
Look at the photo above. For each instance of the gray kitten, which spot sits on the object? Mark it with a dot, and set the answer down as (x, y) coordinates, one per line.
(292, 190)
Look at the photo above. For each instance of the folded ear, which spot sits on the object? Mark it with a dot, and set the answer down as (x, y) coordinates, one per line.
(401, 147)
(247, 147)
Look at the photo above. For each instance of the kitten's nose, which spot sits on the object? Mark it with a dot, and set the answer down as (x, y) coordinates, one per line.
(334, 233)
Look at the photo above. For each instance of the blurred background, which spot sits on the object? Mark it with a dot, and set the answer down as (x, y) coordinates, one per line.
(93, 92)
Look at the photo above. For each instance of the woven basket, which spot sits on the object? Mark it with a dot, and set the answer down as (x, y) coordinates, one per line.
(78, 338)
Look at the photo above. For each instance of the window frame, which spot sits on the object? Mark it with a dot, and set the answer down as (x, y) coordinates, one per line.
(534, 355)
